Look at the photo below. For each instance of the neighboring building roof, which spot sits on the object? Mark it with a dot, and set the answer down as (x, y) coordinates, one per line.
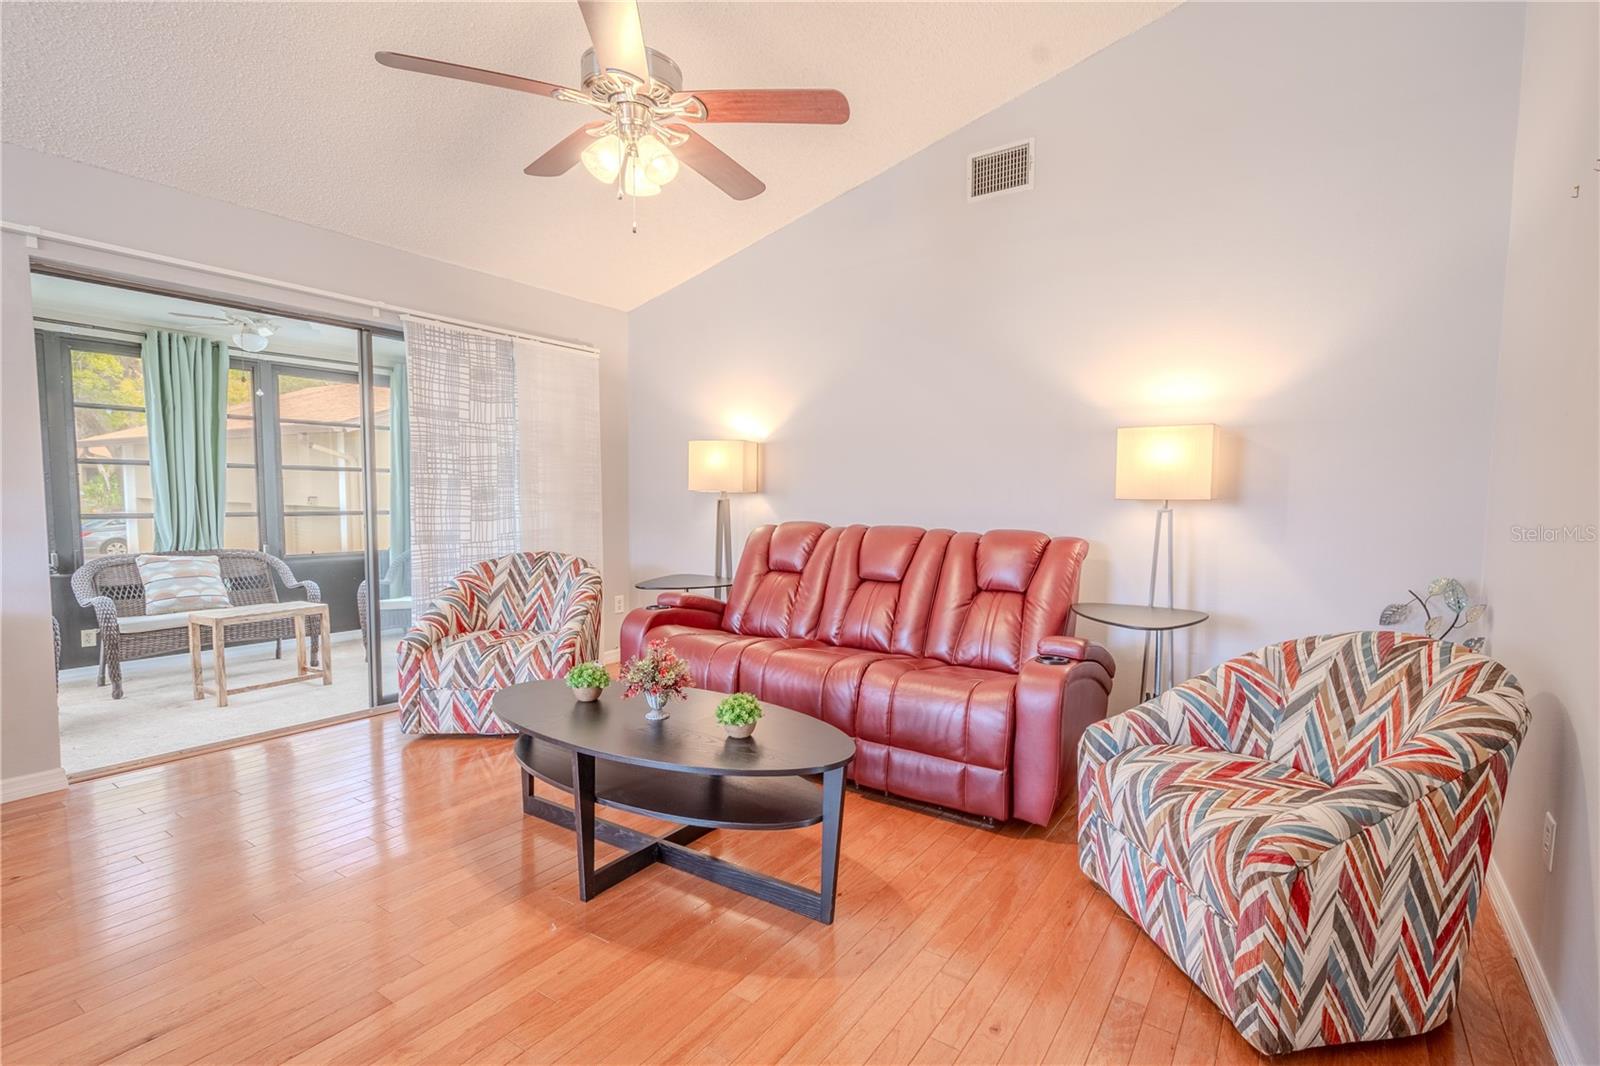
(335, 402)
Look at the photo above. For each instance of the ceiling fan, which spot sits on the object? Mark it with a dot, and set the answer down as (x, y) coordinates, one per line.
(646, 126)
(253, 332)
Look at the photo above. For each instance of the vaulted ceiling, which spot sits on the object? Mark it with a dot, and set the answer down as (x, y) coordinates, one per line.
(280, 107)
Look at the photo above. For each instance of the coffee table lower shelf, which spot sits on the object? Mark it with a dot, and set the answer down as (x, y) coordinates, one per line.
(699, 803)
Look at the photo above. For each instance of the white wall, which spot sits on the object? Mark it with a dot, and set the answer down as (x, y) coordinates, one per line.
(1546, 472)
(1286, 219)
(70, 197)
(30, 741)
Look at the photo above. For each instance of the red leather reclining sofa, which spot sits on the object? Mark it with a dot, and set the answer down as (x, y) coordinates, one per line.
(942, 653)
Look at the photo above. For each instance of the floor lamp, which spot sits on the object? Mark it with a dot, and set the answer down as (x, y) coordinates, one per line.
(1164, 463)
(723, 467)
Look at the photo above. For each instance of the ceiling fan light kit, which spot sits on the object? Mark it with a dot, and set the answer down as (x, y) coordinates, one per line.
(645, 129)
(253, 332)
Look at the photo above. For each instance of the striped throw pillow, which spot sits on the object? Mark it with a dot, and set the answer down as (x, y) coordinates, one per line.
(174, 584)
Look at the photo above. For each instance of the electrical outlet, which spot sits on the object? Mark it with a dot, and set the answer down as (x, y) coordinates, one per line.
(1549, 841)
(88, 638)
(619, 604)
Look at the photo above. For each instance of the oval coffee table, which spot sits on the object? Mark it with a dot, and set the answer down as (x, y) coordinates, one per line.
(683, 770)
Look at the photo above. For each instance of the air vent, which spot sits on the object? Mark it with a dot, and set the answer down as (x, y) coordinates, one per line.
(1000, 170)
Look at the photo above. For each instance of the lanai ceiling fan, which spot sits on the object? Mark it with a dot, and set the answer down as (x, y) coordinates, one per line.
(253, 331)
(646, 125)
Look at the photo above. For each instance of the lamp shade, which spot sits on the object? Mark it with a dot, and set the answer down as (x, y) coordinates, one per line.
(1165, 462)
(724, 466)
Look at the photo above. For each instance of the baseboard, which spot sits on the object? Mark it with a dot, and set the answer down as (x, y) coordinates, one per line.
(1562, 1044)
(15, 788)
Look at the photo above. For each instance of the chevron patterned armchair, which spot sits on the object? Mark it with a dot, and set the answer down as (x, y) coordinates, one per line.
(524, 617)
(1304, 829)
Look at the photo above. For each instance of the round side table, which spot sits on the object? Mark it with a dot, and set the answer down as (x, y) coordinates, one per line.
(1161, 621)
(687, 582)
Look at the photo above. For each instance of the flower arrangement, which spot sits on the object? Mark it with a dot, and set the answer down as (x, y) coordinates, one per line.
(659, 674)
(587, 680)
(1457, 610)
(738, 714)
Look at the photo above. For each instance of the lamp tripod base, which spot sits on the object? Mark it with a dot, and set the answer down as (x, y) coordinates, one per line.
(724, 550)
(1160, 674)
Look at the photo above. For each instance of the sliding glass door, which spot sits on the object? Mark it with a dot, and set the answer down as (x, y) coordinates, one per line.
(389, 599)
(317, 476)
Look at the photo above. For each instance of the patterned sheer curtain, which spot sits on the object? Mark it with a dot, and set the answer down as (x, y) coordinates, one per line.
(464, 446)
(558, 397)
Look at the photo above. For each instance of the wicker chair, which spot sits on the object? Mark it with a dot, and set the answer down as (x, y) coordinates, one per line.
(393, 611)
(111, 587)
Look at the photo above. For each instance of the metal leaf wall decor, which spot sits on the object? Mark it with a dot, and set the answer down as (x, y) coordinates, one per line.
(1455, 610)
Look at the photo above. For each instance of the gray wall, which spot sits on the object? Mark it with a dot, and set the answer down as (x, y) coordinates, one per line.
(1546, 472)
(59, 194)
(1289, 220)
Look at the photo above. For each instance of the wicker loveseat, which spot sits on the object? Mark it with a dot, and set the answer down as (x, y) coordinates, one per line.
(1304, 829)
(111, 587)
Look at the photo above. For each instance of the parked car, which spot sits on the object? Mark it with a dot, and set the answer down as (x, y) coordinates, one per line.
(104, 536)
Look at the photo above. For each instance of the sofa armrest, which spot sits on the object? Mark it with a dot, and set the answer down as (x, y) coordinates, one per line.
(1057, 699)
(449, 615)
(692, 602)
(582, 616)
(1075, 649)
(1320, 871)
(1440, 763)
(312, 590)
(637, 625)
(105, 613)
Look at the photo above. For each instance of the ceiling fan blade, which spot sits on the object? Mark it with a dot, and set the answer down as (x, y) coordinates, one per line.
(618, 36)
(564, 156)
(827, 107)
(401, 61)
(716, 166)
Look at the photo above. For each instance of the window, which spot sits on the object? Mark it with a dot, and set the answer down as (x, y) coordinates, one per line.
(241, 523)
(111, 439)
(295, 480)
(321, 475)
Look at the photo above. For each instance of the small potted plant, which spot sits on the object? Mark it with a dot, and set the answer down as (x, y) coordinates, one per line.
(738, 715)
(586, 680)
(659, 674)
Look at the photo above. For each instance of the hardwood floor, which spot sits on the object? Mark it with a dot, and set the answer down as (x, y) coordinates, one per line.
(354, 895)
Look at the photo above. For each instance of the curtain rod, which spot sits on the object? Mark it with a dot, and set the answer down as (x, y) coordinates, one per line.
(36, 234)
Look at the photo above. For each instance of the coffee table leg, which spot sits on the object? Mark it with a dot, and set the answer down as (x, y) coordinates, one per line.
(583, 815)
(832, 816)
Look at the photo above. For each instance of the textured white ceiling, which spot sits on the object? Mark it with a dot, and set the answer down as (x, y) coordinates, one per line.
(280, 107)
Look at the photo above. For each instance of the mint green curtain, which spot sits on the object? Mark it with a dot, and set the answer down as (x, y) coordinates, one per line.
(186, 402)
(399, 575)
